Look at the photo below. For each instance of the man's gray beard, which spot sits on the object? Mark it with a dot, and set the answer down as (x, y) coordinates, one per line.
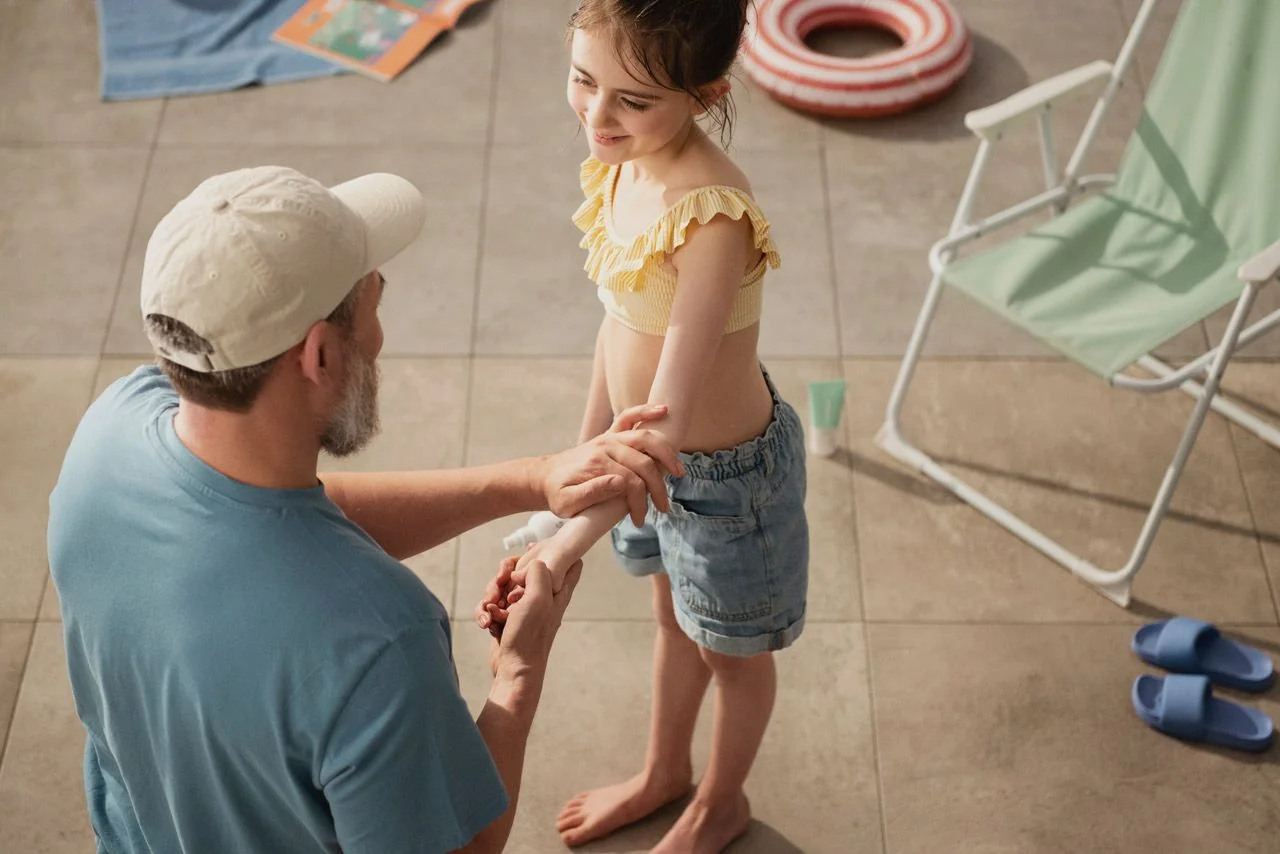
(355, 422)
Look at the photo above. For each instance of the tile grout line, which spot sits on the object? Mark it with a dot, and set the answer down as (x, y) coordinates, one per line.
(115, 296)
(48, 576)
(953, 624)
(1207, 339)
(71, 145)
(871, 688)
(485, 182)
(824, 167)
(936, 359)
(405, 144)
(835, 297)
(133, 228)
(477, 279)
(17, 695)
(1253, 517)
(875, 738)
(825, 173)
(1126, 26)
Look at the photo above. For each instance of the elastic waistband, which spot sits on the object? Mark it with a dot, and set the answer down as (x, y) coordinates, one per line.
(753, 454)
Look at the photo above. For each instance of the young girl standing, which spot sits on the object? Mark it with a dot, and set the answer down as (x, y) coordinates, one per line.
(679, 249)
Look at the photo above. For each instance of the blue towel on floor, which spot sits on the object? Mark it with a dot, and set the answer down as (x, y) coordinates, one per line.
(156, 48)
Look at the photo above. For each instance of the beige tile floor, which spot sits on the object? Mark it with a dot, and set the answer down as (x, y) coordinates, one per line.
(954, 691)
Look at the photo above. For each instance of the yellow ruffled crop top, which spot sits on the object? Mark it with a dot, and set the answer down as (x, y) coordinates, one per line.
(635, 285)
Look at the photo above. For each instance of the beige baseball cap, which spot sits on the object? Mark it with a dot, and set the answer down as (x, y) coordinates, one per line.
(252, 258)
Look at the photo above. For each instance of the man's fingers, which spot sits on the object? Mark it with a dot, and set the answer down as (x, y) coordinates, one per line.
(571, 579)
(637, 498)
(595, 491)
(562, 599)
(636, 464)
(626, 485)
(520, 578)
(537, 579)
(627, 419)
(655, 446)
(636, 492)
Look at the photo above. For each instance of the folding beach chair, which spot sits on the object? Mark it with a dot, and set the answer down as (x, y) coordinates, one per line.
(1188, 225)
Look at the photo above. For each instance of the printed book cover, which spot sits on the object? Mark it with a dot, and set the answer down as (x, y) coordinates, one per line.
(379, 38)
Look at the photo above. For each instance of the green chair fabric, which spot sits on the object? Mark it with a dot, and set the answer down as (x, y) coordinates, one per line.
(1197, 193)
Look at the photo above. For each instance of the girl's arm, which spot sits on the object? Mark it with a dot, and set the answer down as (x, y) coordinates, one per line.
(408, 512)
(709, 269)
(599, 414)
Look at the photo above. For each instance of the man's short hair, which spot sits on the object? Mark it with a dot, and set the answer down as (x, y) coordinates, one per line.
(235, 390)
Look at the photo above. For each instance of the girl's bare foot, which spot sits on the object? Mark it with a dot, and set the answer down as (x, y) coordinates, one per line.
(600, 812)
(707, 827)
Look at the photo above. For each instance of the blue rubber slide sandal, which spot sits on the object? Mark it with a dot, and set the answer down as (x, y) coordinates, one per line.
(1184, 645)
(1183, 707)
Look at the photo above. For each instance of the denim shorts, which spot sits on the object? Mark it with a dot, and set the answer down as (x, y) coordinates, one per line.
(736, 542)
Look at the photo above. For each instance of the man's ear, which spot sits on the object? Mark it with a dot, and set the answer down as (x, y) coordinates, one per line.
(318, 357)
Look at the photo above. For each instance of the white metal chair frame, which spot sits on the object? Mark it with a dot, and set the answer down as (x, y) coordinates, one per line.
(1199, 378)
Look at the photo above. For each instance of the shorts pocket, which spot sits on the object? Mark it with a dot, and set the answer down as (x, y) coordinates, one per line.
(726, 505)
(718, 567)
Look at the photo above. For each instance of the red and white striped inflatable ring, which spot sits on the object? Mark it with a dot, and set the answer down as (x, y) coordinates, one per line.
(936, 52)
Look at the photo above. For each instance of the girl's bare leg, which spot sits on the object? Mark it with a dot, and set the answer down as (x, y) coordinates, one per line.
(680, 679)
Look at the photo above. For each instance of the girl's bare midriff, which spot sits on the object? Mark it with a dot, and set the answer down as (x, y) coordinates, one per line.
(736, 405)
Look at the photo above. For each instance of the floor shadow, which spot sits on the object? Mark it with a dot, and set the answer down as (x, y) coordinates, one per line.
(760, 838)
(920, 487)
(763, 839)
(641, 836)
(1106, 498)
(1244, 636)
(1153, 613)
(1268, 757)
(894, 478)
(474, 16)
(470, 18)
(1256, 405)
(995, 74)
(1149, 612)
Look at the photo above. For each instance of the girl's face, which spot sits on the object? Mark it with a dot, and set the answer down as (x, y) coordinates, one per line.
(625, 118)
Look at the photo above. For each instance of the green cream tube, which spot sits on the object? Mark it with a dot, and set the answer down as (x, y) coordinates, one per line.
(826, 400)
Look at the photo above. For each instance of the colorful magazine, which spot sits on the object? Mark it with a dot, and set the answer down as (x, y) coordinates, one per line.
(380, 38)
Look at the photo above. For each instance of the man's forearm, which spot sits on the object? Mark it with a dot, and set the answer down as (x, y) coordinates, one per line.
(410, 512)
(504, 724)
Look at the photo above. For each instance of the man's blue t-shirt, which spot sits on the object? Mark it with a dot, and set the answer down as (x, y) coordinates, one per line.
(253, 672)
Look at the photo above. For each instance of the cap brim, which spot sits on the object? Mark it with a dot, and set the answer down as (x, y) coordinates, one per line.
(393, 212)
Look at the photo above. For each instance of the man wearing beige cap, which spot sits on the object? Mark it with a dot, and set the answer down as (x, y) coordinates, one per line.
(255, 669)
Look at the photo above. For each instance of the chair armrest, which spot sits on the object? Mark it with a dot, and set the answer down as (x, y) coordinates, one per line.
(1263, 267)
(991, 122)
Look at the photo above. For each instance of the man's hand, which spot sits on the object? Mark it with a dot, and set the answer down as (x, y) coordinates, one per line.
(626, 461)
(519, 663)
(520, 655)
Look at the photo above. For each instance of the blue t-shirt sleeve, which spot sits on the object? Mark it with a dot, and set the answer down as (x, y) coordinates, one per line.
(405, 768)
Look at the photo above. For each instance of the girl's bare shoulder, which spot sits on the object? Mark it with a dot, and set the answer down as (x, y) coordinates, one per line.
(708, 166)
